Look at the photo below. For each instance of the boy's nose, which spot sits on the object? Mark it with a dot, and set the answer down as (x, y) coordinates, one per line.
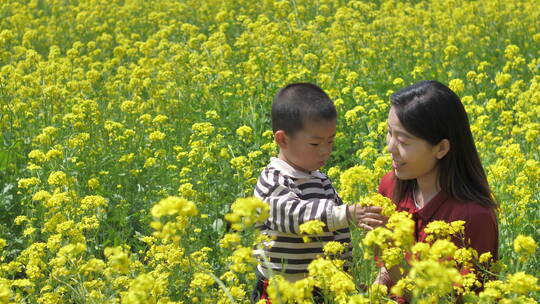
(325, 150)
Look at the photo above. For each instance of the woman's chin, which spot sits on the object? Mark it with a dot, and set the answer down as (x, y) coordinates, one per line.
(401, 175)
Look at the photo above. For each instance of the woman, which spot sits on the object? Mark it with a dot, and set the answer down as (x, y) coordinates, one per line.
(437, 174)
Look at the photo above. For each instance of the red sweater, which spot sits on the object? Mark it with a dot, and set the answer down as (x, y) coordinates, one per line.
(481, 229)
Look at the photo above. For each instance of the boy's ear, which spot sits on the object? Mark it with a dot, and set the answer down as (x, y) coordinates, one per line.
(443, 148)
(280, 138)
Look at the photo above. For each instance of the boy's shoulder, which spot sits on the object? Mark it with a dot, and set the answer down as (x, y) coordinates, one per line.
(283, 168)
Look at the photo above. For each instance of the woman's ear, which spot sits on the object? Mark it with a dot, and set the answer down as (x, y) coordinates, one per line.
(442, 148)
(281, 139)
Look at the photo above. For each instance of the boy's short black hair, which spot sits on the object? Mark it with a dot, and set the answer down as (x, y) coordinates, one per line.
(298, 103)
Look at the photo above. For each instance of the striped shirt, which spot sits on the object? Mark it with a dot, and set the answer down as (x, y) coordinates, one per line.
(296, 197)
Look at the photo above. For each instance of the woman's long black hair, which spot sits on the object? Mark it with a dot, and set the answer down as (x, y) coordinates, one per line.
(431, 111)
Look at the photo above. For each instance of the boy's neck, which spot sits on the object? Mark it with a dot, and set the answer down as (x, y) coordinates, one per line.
(284, 158)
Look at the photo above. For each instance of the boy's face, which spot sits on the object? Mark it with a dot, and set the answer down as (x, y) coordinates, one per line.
(310, 148)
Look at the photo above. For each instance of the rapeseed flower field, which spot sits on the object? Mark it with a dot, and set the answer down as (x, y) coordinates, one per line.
(134, 131)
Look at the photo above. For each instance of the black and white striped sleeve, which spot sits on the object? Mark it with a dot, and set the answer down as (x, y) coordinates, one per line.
(288, 211)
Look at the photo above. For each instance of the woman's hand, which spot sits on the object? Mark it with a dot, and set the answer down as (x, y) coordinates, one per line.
(384, 278)
(366, 217)
(389, 277)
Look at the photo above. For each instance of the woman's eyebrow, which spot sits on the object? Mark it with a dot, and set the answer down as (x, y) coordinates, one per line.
(400, 133)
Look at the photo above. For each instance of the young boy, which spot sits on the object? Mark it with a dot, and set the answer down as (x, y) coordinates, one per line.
(304, 126)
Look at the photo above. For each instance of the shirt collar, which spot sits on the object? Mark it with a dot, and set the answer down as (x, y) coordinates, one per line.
(427, 212)
(287, 169)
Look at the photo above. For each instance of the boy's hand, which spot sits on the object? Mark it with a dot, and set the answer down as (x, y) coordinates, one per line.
(366, 217)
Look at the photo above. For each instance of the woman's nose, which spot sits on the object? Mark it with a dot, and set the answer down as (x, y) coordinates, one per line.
(391, 145)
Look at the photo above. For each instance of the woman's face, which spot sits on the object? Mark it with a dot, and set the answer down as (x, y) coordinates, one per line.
(412, 157)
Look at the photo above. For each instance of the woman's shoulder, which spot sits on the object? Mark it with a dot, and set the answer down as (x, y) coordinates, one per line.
(474, 211)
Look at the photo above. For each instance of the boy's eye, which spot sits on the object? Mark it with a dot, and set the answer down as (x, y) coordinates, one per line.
(314, 145)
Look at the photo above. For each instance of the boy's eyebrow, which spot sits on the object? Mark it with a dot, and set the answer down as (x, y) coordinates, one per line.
(318, 137)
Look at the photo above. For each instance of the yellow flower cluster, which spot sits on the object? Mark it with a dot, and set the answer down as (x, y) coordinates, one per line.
(525, 245)
(355, 181)
(312, 227)
(281, 290)
(178, 207)
(57, 178)
(245, 132)
(393, 240)
(246, 212)
(444, 230)
(174, 206)
(516, 288)
(376, 199)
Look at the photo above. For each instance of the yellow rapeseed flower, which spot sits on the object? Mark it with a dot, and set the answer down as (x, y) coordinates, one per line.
(334, 248)
(174, 205)
(93, 183)
(201, 281)
(432, 278)
(37, 155)
(41, 195)
(354, 181)
(117, 259)
(312, 227)
(242, 260)
(245, 133)
(3, 243)
(156, 136)
(525, 245)
(203, 128)
(456, 85)
(57, 178)
(230, 241)
(376, 199)
(485, 258)
(24, 183)
(186, 190)
(522, 283)
(212, 115)
(245, 212)
(150, 162)
(93, 201)
(5, 291)
(140, 290)
(443, 230)
(402, 227)
(465, 256)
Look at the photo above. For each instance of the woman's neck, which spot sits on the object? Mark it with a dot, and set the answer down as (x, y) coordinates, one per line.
(426, 188)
